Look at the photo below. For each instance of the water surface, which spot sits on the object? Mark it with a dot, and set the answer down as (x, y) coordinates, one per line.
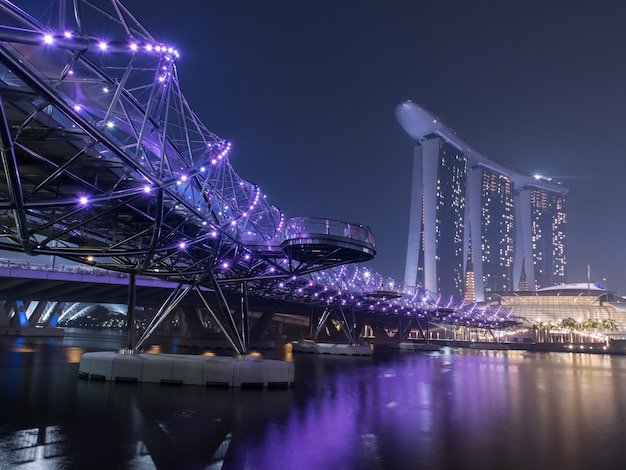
(454, 409)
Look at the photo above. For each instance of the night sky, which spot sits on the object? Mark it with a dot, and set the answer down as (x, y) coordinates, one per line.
(306, 91)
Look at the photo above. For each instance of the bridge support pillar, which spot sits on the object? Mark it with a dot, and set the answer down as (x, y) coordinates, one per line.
(4, 313)
(260, 327)
(38, 311)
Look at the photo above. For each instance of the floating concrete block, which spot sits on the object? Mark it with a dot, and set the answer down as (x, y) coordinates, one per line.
(250, 372)
(326, 348)
(157, 368)
(185, 369)
(219, 371)
(126, 368)
(342, 349)
(305, 346)
(339, 349)
(280, 374)
(101, 365)
(189, 371)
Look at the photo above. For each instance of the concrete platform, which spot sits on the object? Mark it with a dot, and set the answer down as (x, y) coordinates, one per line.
(415, 346)
(181, 369)
(308, 346)
(487, 345)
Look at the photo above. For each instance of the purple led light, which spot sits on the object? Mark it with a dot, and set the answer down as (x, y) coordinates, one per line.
(147, 189)
(225, 264)
(48, 39)
(134, 47)
(67, 34)
(182, 245)
(102, 45)
(83, 200)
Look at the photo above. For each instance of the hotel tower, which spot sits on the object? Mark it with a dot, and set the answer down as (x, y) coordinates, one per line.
(476, 226)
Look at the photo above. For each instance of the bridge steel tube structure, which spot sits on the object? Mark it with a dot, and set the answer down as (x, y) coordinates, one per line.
(104, 163)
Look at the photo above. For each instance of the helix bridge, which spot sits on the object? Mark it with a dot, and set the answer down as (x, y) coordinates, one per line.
(105, 163)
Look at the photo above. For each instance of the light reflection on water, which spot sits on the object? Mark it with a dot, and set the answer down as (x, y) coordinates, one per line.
(456, 409)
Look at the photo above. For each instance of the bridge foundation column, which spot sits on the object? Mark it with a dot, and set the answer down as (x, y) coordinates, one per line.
(261, 325)
(4, 313)
(38, 311)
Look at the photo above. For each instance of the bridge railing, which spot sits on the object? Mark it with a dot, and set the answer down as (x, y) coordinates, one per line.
(301, 226)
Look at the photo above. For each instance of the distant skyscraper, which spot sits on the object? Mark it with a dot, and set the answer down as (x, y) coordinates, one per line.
(466, 207)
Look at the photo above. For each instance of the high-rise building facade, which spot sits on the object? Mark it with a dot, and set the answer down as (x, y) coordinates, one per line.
(471, 213)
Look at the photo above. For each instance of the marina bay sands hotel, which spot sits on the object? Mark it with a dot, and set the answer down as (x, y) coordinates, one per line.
(475, 225)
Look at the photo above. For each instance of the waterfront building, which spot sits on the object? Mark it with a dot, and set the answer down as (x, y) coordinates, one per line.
(465, 206)
(585, 307)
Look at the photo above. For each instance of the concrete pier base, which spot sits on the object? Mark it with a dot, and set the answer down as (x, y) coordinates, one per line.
(247, 372)
(307, 346)
(415, 346)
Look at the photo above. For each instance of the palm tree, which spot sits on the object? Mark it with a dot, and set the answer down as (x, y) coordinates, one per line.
(609, 324)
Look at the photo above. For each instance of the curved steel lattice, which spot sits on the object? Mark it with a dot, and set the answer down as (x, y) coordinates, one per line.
(105, 163)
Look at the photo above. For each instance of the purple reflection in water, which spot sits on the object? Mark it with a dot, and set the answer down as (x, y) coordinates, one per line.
(456, 409)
